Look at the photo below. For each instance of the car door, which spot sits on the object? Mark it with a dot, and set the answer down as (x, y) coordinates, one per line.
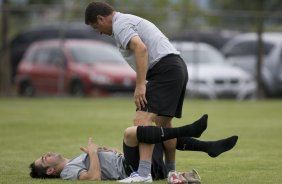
(243, 55)
(48, 71)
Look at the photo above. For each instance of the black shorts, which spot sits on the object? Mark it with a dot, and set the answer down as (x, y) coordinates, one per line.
(166, 87)
(131, 161)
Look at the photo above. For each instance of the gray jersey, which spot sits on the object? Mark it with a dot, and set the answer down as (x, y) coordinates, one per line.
(126, 26)
(111, 166)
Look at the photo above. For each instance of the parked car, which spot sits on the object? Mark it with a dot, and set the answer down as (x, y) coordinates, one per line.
(216, 38)
(242, 51)
(73, 30)
(77, 67)
(210, 76)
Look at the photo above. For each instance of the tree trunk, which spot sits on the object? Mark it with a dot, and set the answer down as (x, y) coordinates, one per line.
(4, 62)
(260, 30)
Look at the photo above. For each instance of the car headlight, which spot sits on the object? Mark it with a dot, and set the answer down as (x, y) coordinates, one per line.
(199, 81)
(249, 80)
(101, 79)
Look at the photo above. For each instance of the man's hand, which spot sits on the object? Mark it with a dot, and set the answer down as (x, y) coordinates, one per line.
(140, 96)
(94, 171)
(91, 147)
(114, 150)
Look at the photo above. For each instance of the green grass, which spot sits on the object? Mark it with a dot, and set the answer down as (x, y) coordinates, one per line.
(30, 127)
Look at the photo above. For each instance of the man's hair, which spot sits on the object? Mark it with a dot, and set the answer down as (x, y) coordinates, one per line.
(97, 8)
(39, 172)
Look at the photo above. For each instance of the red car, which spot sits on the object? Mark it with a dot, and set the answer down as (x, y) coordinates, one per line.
(76, 67)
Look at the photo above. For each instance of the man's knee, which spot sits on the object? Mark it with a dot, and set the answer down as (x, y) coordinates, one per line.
(163, 121)
(143, 118)
(130, 138)
(170, 144)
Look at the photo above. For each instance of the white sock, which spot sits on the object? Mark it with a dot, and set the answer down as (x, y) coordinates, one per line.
(144, 168)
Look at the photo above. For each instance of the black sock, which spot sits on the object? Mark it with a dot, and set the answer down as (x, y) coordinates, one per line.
(153, 135)
(217, 147)
(191, 144)
(212, 148)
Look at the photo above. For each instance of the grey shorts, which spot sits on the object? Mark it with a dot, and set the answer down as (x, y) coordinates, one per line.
(166, 87)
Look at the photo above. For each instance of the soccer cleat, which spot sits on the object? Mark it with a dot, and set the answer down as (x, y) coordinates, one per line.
(190, 177)
(135, 177)
(175, 178)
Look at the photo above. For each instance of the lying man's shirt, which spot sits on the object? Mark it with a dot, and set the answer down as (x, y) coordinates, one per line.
(111, 166)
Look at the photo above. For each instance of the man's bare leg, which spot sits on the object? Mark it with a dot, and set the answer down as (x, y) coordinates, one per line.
(170, 145)
(145, 150)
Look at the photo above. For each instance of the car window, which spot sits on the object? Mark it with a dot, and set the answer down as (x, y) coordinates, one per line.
(242, 49)
(56, 57)
(96, 54)
(48, 56)
(41, 56)
(280, 58)
(201, 56)
(30, 54)
(248, 48)
(267, 47)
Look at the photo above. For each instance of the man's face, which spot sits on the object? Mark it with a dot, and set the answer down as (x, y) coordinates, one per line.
(49, 160)
(103, 25)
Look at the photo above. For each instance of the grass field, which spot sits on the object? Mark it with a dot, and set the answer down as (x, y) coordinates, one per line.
(30, 127)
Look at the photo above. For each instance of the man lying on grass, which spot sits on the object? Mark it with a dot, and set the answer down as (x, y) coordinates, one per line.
(97, 163)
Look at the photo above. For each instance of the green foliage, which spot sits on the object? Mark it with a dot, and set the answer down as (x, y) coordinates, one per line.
(155, 11)
(43, 1)
(31, 127)
(269, 5)
(244, 14)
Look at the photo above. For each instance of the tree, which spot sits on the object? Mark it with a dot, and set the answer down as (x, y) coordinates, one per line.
(169, 15)
(4, 62)
(247, 11)
(155, 11)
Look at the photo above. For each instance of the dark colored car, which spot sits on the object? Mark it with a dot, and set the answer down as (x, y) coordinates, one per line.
(77, 67)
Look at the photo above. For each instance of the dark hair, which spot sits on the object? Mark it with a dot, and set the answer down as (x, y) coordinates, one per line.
(39, 172)
(97, 8)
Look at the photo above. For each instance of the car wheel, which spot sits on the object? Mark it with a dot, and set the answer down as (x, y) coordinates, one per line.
(77, 89)
(26, 89)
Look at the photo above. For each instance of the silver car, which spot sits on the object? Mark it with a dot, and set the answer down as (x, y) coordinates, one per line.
(210, 76)
(242, 52)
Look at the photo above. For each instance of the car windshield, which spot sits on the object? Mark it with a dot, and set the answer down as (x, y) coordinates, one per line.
(91, 54)
(249, 48)
(202, 56)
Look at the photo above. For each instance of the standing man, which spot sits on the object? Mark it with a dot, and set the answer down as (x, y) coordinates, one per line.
(161, 74)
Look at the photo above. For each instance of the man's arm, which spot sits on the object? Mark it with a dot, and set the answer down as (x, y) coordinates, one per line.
(94, 171)
(141, 60)
(114, 150)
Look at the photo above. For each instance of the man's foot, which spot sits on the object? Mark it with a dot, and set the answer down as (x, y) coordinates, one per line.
(200, 126)
(135, 177)
(215, 148)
